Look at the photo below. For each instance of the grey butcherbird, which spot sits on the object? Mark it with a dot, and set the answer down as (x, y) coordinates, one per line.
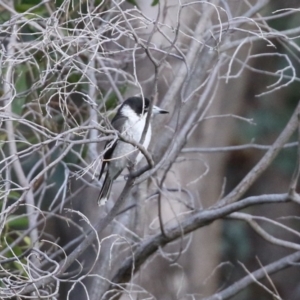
(130, 121)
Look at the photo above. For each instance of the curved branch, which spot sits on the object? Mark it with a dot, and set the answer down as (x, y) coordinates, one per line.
(264, 234)
(190, 223)
(274, 267)
(264, 162)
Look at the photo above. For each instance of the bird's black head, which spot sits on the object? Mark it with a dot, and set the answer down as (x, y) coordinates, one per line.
(137, 104)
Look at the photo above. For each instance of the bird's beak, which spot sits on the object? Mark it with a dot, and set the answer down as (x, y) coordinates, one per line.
(156, 110)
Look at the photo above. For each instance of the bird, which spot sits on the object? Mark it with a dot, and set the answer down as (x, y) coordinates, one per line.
(130, 121)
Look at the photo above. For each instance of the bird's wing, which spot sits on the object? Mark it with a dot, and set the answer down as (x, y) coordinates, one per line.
(107, 155)
(117, 122)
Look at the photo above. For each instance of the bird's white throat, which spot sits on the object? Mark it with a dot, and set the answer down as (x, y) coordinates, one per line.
(134, 124)
(134, 127)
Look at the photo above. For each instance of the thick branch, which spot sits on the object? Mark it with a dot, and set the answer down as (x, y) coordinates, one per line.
(190, 223)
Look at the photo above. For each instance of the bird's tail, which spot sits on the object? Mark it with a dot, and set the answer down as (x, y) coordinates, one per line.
(105, 190)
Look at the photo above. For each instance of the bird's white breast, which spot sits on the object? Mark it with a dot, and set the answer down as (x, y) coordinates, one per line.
(133, 128)
(134, 124)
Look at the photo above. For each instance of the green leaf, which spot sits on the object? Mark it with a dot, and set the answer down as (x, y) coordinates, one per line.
(17, 223)
(3, 137)
(23, 8)
(14, 195)
(154, 2)
(112, 100)
(132, 2)
(21, 86)
(27, 240)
